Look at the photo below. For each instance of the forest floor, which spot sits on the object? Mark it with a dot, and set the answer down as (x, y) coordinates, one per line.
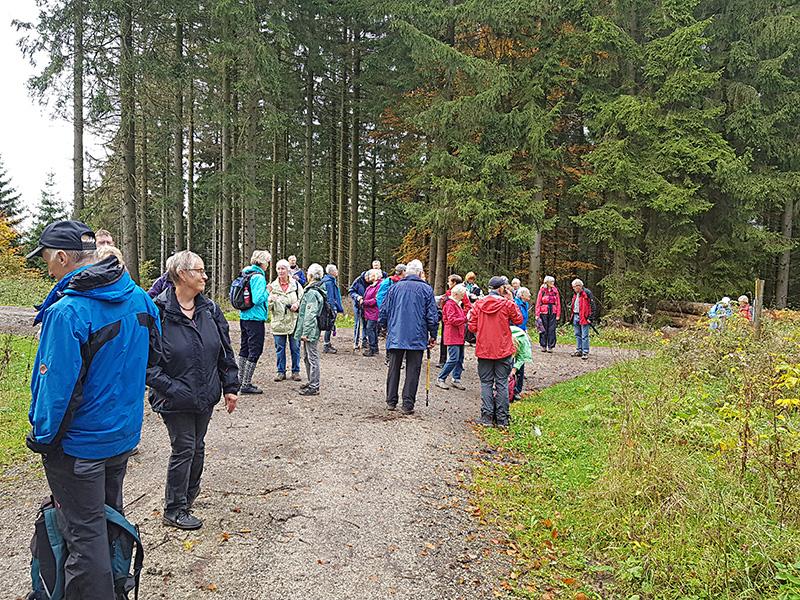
(328, 496)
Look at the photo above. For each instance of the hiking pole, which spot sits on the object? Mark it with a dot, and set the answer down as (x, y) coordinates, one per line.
(428, 378)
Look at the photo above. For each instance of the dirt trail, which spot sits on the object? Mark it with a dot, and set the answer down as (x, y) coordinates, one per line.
(324, 497)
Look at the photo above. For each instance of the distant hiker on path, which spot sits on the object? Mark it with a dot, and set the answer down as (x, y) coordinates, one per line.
(719, 314)
(489, 319)
(195, 367)
(284, 303)
(295, 272)
(548, 309)
(86, 395)
(252, 320)
(583, 310)
(307, 329)
(409, 314)
(335, 298)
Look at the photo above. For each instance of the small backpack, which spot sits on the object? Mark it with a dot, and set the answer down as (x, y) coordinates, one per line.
(241, 295)
(327, 314)
(50, 555)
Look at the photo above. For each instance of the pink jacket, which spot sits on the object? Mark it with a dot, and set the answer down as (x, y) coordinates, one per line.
(371, 301)
(548, 297)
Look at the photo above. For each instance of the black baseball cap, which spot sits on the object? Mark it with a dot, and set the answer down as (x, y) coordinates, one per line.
(64, 235)
(496, 282)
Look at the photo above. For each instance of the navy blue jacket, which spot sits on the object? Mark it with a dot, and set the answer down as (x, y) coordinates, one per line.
(334, 295)
(409, 313)
(195, 359)
(87, 387)
(357, 288)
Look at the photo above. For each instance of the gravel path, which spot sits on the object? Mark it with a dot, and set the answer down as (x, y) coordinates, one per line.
(327, 497)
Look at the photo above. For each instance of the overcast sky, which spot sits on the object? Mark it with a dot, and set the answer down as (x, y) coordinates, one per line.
(31, 143)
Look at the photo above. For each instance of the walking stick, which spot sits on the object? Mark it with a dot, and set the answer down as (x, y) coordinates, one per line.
(428, 378)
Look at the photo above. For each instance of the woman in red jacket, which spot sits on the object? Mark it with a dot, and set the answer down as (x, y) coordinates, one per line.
(548, 308)
(454, 320)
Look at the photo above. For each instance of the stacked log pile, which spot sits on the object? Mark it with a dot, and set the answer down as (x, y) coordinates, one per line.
(682, 314)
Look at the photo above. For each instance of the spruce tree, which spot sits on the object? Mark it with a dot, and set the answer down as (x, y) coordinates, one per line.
(10, 201)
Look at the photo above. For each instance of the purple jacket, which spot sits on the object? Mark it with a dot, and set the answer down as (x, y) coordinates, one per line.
(371, 301)
(159, 285)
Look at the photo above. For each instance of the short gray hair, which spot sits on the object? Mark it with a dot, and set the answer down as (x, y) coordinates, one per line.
(82, 256)
(261, 257)
(282, 263)
(374, 274)
(549, 279)
(577, 282)
(400, 268)
(517, 280)
(523, 290)
(181, 261)
(415, 267)
(315, 271)
(330, 269)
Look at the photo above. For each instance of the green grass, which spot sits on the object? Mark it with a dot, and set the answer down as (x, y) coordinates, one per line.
(634, 478)
(16, 360)
(24, 291)
(613, 337)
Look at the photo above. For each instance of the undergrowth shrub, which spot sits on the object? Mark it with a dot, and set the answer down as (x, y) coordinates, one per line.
(702, 489)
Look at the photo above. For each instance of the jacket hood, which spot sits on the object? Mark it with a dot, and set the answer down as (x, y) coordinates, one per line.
(106, 280)
(255, 269)
(492, 303)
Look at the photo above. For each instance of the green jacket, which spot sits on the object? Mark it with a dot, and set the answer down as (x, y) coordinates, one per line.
(310, 307)
(283, 320)
(523, 345)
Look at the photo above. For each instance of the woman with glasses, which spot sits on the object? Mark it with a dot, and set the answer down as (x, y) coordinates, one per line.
(195, 367)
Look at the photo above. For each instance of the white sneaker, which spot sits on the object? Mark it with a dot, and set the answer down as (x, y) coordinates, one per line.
(442, 384)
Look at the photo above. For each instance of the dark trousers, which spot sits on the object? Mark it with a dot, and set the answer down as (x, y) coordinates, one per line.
(519, 380)
(494, 374)
(187, 432)
(548, 338)
(81, 487)
(252, 340)
(413, 368)
(442, 348)
(372, 334)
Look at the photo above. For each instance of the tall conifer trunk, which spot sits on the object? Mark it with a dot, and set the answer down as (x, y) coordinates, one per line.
(782, 292)
(355, 160)
(273, 221)
(344, 266)
(178, 185)
(227, 221)
(127, 123)
(307, 195)
(77, 113)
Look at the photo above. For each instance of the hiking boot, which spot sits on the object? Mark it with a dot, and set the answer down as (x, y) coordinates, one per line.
(442, 384)
(550, 350)
(485, 421)
(407, 411)
(368, 352)
(249, 388)
(516, 398)
(386, 360)
(304, 386)
(309, 391)
(457, 385)
(544, 349)
(329, 349)
(578, 354)
(502, 425)
(181, 519)
(391, 407)
(295, 376)
(280, 377)
(585, 356)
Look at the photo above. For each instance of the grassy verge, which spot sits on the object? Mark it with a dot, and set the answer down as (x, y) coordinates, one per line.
(673, 477)
(24, 291)
(16, 360)
(613, 337)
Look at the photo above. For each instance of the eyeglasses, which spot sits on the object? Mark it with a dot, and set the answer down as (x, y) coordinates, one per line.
(201, 271)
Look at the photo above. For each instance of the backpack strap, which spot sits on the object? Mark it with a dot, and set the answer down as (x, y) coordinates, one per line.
(116, 518)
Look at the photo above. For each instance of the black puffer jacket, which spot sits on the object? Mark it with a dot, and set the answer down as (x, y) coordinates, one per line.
(196, 362)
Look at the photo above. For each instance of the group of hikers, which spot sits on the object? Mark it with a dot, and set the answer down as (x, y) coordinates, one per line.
(103, 340)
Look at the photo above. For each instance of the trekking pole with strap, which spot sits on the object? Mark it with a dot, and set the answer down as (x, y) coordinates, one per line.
(428, 378)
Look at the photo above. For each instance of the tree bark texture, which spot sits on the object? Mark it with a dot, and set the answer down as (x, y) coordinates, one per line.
(77, 113)
(127, 121)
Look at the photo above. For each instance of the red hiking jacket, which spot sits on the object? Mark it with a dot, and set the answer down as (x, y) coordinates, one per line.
(490, 320)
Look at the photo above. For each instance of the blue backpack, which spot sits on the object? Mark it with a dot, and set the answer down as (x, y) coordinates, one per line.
(50, 554)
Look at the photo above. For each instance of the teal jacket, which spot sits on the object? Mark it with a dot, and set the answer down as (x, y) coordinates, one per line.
(259, 294)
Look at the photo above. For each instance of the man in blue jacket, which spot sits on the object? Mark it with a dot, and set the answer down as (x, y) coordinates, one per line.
(335, 298)
(87, 391)
(409, 314)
